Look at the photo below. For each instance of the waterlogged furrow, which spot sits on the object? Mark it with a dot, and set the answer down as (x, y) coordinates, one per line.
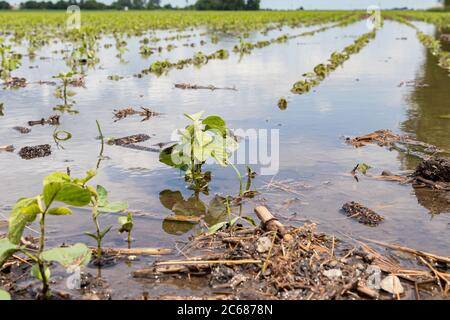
(432, 44)
(247, 47)
(199, 59)
(321, 71)
(440, 20)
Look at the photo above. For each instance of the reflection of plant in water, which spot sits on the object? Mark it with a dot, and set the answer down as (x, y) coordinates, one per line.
(62, 92)
(188, 213)
(202, 140)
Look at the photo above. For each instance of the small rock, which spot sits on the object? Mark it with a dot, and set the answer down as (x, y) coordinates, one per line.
(263, 244)
(333, 274)
(392, 285)
(22, 130)
(359, 266)
(333, 263)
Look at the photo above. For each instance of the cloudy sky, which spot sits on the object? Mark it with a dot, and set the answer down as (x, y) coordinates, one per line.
(318, 4)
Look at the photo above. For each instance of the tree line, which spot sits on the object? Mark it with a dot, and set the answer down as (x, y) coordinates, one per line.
(134, 5)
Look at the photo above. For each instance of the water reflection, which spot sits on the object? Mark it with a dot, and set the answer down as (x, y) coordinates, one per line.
(188, 213)
(424, 122)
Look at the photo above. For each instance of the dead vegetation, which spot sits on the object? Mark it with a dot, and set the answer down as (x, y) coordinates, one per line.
(52, 120)
(362, 214)
(129, 140)
(187, 86)
(145, 113)
(278, 262)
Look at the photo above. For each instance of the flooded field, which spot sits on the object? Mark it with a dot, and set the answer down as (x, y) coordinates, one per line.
(393, 82)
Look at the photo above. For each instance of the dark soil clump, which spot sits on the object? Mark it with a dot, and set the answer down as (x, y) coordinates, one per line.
(435, 169)
(40, 151)
(361, 213)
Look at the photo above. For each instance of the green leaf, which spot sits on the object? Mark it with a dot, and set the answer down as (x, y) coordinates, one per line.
(91, 235)
(165, 156)
(363, 167)
(50, 191)
(126, 223)
(195, 116)
(23, 213)
(4, 296)
(114, 207)
(215, 122)
(56, 177)
(249, 219)
(76, 255)
(217, 227)
(102, 196)
(89, 175)
(103, 234)
(36, 272)
(7, 249)
(73, 195)
(59, 211)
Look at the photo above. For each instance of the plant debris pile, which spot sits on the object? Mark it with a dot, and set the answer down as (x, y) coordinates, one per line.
(363, 214)
(40, 151)
(434, 169)
(146, 113)
(380, 137)
(277, 262)
(130, 140)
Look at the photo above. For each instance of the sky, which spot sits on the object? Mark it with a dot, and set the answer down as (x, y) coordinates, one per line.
(317, 4)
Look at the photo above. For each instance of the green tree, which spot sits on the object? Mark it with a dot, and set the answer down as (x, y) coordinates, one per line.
(252, 4)
(4, 5)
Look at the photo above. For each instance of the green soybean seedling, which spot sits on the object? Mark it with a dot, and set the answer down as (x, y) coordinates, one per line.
(61, 91)
(100, 204)
(202, 140)
(57, 188)
(126, 225)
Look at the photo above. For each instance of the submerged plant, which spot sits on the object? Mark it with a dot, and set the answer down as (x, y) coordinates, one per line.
(204, 139)
(62, 91)
(126, 225)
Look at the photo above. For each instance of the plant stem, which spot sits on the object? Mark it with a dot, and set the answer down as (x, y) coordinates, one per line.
(40, 262)
(240, 178)
(100, 157)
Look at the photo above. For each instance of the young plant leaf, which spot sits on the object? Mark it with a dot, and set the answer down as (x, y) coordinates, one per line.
(23, 213)
(73, 195)
(60, 211)
(114, 207)
(7, 249)
(4, 296)
(102, 196)
(76, 255)
(36, 272)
